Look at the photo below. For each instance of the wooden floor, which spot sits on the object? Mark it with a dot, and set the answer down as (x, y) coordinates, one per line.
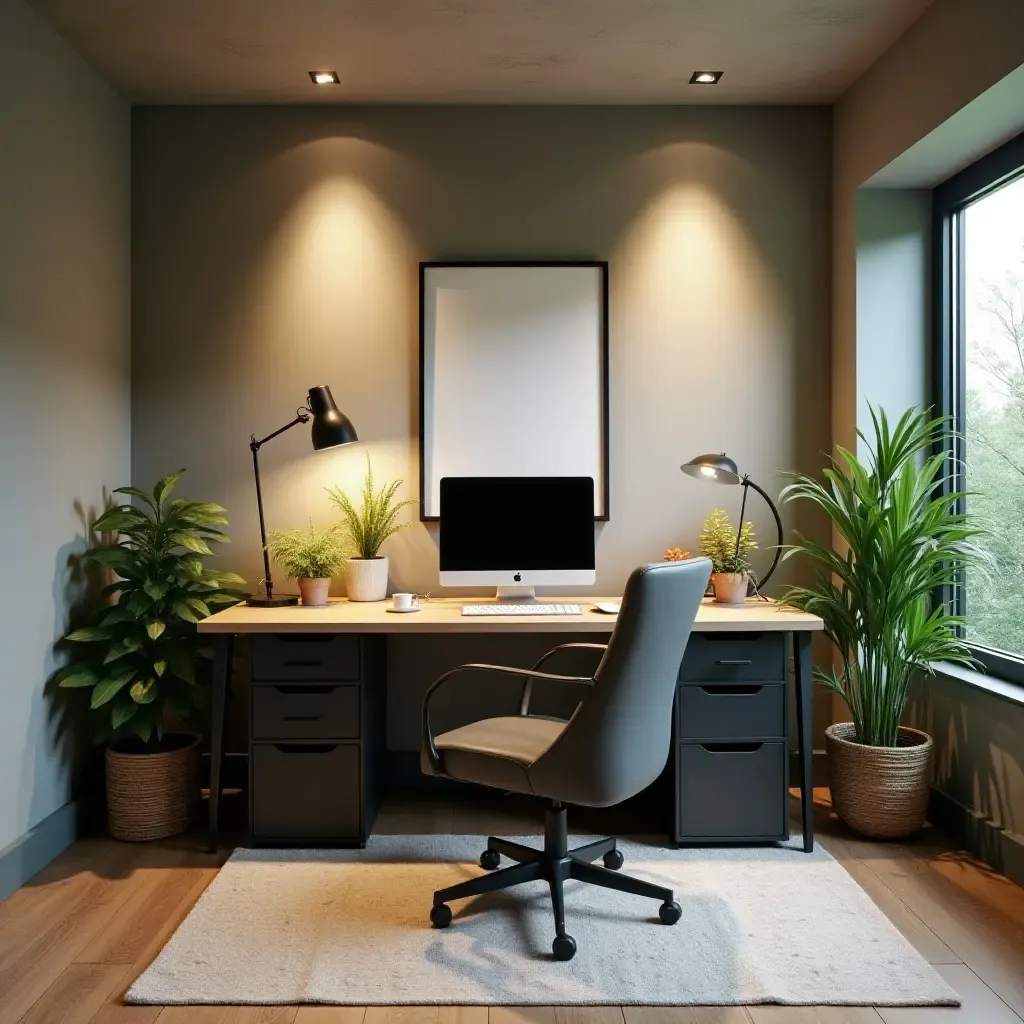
(74, 938)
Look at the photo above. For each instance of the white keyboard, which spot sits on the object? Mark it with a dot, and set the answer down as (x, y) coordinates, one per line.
(521, 609)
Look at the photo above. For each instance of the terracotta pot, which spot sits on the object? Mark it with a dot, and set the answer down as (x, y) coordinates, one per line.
(730, 587)
(314, 591)
(880, 791)
(152, 795)
(366, 579)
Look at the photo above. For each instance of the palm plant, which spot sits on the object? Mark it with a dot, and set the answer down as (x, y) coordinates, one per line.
(372, 524)
(903, 540)
(137, 653)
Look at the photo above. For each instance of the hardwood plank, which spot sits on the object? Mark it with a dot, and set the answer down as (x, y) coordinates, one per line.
(401, 1015)
(27, 973)
(521, 1015)
(115, 1012)
(462, 1015)
(980, 1004)
(968, 916)
(143, 916)
(589, 1015)
(686, 1015)
(814, 1015)
(260, 1015)
(76, 995)
(192, 1015)
(330, 1015)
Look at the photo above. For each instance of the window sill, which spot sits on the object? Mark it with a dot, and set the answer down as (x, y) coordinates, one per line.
(1012, 692)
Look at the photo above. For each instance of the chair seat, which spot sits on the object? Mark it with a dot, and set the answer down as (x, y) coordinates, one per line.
(497, 751)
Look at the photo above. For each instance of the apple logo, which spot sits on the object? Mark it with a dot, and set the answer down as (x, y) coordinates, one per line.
(518, 578)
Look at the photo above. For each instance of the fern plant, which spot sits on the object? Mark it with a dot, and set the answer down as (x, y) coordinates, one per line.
(718, 542)
(902, 541)
(137, 653)
(309, 554)
(377, 518)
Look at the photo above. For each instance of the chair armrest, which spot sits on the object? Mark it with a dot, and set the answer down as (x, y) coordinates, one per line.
(524, 702)
(428, 737)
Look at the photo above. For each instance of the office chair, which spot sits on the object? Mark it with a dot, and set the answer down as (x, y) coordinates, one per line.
(615, 744)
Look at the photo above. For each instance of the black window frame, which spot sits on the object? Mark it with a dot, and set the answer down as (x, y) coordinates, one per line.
(949, 200)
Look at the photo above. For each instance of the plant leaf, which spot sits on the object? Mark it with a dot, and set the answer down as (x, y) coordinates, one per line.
(155, 629)
(144, 692)
(88, 634)
(110, 687)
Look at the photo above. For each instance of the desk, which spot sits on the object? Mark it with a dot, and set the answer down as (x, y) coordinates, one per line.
(755, 633)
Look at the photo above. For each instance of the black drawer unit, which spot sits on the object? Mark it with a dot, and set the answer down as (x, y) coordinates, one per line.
(732, 792)
(316, 739)
(716, 711)
(734, 657)
(731, 728)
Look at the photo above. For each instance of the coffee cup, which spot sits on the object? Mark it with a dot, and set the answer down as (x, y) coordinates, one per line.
(404, 602)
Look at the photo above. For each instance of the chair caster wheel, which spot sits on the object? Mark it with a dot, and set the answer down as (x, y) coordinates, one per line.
(490, 859)
(613, 860)
(441, 915)
(564, 947)
(669, 912)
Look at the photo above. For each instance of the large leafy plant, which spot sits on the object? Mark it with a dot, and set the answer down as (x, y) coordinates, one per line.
(902, 541)
(377, 519)
(137, 653)
(718, 542)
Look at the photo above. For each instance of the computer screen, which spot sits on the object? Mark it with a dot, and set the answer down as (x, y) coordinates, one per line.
(497, 528)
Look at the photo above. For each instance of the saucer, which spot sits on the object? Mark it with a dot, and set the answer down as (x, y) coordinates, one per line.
(401, 611)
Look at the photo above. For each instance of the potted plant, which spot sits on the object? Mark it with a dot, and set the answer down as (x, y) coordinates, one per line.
(730, 564)
(902, 542)
(366, 578)
(310, 557)
(136, 656)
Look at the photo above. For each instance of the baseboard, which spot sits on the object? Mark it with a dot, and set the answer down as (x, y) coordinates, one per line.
(30, 853)
(998, 848)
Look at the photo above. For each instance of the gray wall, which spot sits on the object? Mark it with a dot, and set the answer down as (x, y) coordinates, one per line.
(64, 377)
(275, 248)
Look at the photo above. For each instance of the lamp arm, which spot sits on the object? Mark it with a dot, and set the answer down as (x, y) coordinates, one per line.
(301, 416)
(747, 482)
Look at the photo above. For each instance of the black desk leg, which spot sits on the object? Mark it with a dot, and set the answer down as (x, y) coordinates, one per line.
(223, 649)
(805, 731)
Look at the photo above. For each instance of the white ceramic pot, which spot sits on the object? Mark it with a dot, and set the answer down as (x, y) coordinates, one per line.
(366, 579)
(314, 591)
(730, 587)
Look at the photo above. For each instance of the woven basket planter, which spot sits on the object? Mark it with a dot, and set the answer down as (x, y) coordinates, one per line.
(151, 796)
(880, 792)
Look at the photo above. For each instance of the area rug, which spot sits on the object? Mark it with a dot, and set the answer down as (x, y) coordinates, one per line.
(759, 925)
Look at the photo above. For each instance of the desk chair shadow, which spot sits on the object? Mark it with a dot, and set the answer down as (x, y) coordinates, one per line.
(615, 745)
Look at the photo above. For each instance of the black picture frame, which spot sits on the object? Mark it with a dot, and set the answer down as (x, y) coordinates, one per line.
(602, 267)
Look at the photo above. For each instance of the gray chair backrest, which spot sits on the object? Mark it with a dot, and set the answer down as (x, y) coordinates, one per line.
(617, 742)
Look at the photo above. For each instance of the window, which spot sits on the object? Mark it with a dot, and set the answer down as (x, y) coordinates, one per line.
(980, 267)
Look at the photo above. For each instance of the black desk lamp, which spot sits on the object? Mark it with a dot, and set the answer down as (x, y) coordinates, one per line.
(720, 469)
(331, 428)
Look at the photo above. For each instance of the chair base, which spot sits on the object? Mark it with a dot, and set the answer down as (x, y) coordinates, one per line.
(554, 864)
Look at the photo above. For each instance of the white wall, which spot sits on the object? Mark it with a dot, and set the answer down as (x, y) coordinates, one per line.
(64, 375)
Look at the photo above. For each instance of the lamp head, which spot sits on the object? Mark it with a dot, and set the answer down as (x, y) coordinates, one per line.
(716, 468)
(331, 427)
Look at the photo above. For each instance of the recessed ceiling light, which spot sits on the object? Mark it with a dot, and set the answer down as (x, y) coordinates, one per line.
(705, 77)
(325, 77)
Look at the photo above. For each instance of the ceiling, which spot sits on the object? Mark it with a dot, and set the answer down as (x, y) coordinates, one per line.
(489, 51)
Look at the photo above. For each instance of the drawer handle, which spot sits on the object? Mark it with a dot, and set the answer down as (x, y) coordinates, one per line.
(732, 691)
(306, 748)
(733, 662)
(732, 748)
(303, 663)
(306, 690)
(302, 718)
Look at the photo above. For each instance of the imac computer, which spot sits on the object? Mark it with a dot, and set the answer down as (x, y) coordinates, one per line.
(516, 533)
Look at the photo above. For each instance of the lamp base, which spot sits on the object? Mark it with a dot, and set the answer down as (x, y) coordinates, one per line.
(278, 601)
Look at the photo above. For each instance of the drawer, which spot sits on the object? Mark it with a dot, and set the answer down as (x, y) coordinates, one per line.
(732, 791)
(305, 791)
(717, 711)
(305, 712)
(734, 657)
(305, 657)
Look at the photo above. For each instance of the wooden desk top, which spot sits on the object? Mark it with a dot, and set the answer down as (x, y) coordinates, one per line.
(444, 615)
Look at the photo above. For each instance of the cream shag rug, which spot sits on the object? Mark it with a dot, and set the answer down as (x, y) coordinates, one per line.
(759, 925)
